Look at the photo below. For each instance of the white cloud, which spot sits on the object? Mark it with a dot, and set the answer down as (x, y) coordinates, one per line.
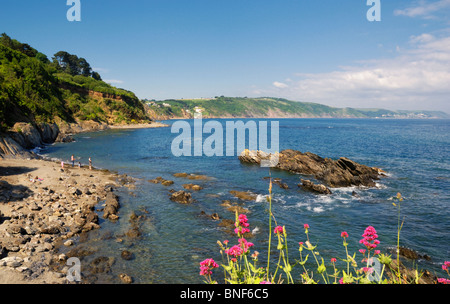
(280, 85)
(424, 9)
(417, 78)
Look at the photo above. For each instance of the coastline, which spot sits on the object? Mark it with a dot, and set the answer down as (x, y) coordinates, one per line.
(43, 207)
(139, 126)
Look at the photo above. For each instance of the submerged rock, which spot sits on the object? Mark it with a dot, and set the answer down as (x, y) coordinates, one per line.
(246, 196)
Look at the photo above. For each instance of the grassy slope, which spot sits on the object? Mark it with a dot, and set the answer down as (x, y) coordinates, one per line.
(270, 107)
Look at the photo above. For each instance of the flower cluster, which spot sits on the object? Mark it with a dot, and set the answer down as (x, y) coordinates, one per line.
(206, 266)
(278, 229)
(245, 245)
(241, 225)
(445, 267)
(370, 238)
(234, 251)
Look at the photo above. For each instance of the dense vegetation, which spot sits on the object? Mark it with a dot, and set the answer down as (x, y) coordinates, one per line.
(35, 89)
(271, 107)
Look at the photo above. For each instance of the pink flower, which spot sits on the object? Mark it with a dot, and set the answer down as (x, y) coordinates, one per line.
(278, 229)
(225, 242)
(444, 267)
(344, 234)
(362, 251)
(265, 282)
(333, 260)
(245, 245)
(443, 281)
(206, 266)
(306, 226)
(234, 251)
(241, 225)
(377, 252)
(370, 238)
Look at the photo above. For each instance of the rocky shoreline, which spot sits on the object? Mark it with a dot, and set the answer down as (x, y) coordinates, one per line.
(44, 207)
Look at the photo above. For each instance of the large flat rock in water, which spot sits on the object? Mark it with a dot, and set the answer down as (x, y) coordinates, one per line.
(333, 173)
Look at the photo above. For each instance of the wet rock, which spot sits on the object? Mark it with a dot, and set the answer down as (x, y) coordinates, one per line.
(308, 185)
(125, 278)
(127, 255)
(192, 187)
(134, 233)
(167, 183)
(278, 182)
(233, 207)
(412, 254)
(181, 197)
(333, 173)
(101, 264)
(183, 174)
(162, 181)
(111, 206)
(246, 196)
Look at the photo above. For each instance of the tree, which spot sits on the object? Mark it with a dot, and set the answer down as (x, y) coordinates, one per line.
(96, 76)
(85, 68)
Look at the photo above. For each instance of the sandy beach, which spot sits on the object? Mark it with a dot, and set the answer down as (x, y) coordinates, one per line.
(139, 126)
(42, 207)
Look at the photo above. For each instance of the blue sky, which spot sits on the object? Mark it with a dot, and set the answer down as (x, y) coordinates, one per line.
(323, 51)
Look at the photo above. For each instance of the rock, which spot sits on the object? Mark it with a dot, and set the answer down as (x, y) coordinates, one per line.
(192, 187)
(127, 255)
(111, 206)
(232, 207)
(49, 230)
(125, 278)
(101, 264)
(68, 243)
(15, 229)
(34, 207)
(62, 257)
(11, 262)
(412, 254)
(333, 173)
(134, 233)
(181, 197)
(246, 196)
(167, 183)
(162, 181)
(180, 174)
(278, 182)
(27, 135)
(307, 184)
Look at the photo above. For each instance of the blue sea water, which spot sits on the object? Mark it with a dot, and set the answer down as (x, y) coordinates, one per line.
(414, 153)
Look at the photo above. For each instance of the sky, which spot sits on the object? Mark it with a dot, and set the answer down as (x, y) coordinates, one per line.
(322, 51)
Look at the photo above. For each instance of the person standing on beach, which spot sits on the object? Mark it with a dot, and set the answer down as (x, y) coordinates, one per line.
(72, 158)
(90, 163)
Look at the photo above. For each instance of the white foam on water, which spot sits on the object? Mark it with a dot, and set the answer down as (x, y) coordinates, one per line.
(261, 198)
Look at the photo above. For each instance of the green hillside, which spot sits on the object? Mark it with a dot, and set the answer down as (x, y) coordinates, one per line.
(35, 89)
(269, 107)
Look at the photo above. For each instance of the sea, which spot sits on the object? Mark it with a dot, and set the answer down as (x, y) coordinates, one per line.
(415, 154)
